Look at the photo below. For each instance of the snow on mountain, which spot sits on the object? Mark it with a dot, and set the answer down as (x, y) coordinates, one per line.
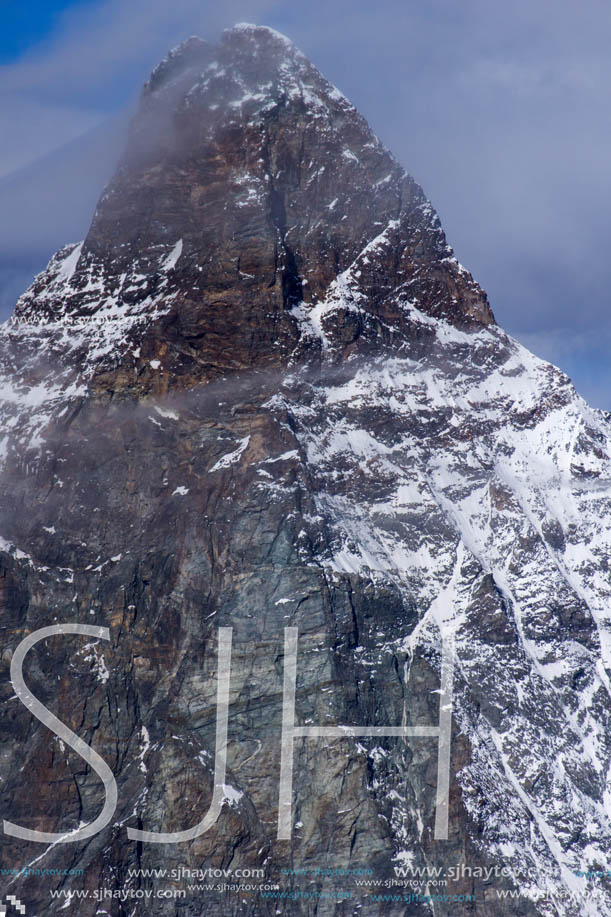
(343, 441)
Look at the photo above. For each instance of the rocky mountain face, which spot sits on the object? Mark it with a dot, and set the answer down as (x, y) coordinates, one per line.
(263, 394)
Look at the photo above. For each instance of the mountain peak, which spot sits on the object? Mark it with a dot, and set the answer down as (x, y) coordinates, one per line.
(264, 43)
(256, 51)
(254, 221)
(248, 60)
(261, 33)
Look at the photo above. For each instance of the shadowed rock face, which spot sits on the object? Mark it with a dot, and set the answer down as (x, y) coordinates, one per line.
(263, 394)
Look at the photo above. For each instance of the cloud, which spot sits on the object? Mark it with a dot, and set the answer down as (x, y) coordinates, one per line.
(96, 45)
(93, 64)
(30, 129)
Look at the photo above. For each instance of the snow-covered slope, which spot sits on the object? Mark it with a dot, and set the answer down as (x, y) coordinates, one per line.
(475, 473)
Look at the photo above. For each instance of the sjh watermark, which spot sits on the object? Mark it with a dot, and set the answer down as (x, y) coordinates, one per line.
(291, 731)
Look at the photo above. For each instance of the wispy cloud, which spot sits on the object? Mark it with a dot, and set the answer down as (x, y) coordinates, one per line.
(31, 128)
(95, 45)
(93, 64)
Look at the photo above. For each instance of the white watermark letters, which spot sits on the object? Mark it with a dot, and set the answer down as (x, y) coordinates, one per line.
(290, 733)
(45, 716)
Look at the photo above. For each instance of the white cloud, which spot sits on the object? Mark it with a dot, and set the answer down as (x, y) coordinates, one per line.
(30, 129)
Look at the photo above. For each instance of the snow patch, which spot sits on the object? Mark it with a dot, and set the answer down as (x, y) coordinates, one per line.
(169, 263)
(231, 458)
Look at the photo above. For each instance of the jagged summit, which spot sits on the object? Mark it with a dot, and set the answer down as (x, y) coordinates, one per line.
(250, 64)
(258, 31)
(263, 41)
(261, 45)
(253, 205)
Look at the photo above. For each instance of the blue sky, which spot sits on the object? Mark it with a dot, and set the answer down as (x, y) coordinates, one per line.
(499, 110)
(25, 24)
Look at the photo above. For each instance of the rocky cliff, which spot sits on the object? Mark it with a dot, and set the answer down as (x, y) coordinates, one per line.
(263, 395)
